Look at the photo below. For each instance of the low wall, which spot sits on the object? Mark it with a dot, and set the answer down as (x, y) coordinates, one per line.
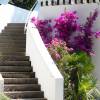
(48, 74)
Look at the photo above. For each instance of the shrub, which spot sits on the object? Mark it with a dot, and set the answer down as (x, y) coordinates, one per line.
(4, 97)
(26, 4)
(76, 67)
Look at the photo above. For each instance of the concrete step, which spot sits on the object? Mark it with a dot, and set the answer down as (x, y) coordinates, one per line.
(21, 45)
(13, 30)
(18, 74)
(25, 94)
(20, 81)
(13, 58)
(12, 34)
(14, 27)
(10, 53)
(15, 69)
(31, 99)
(22, 87)
(13, 40)
(15, 63)
(16, 24)
(12, 37)
(12, 49)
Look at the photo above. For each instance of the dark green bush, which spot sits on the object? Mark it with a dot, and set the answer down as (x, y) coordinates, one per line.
(26, 4)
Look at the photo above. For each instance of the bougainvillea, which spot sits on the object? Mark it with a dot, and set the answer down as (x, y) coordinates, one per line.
(65, 27)
(84, 41)
(45, 29)
(66, 24)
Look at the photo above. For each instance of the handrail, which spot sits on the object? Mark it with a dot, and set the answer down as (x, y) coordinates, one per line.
(28, 17)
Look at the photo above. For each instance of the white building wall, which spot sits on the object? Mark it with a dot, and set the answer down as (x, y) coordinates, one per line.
(12, 14)
(4, 1)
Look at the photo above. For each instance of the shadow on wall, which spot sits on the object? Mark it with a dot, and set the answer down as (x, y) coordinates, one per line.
(11, 14)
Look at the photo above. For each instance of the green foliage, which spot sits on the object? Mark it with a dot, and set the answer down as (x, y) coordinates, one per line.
(4, 97)
(26, 4)
(76, 67)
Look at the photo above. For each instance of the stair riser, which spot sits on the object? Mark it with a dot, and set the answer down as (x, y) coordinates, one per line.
(13, 34)
(12, 38)
(12, 31)
(16, 24)
(30, 99)
(18, 75)
(14, 27)
(13, 58)
(8, 53)
(11, 49)
(15, 63)
(20, 81)
(28, 87)
(12, 41)
(25, 95)
(12, 44)
(16, 69)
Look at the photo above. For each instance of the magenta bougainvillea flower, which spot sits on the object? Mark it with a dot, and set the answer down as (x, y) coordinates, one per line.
(66, 24)
(45, 29)
(65, 27)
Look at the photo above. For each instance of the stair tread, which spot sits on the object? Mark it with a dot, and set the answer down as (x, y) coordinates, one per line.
(18, 74)
(15, 68)
(20, 80)
(26, 94)
(12, 40)
(31, 99)
(13, 34)
(15, 63)
(12, 24)
(13, 57)
(22, 87)
(9, 53)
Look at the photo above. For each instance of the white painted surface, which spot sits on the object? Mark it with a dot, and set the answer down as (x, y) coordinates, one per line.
(11, 14)
(49, 77)
(48, 74)
(1, 83)
(4, 1)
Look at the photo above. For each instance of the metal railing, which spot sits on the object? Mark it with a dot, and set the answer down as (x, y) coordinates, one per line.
(63, 2)
(28, 17)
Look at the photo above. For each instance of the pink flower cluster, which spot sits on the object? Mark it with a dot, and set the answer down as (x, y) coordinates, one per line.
(56, 47)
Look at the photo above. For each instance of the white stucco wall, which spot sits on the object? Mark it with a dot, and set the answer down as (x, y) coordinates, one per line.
(83, 10)
(12, 14)
(4, 1)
